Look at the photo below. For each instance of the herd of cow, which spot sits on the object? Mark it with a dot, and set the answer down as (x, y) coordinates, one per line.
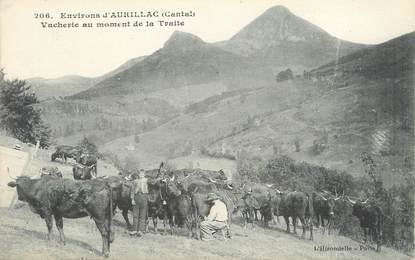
(86, 163)
(178, 197)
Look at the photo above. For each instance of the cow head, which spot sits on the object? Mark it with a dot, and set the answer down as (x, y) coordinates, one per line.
(170, 188)
(357, 206)
(54, 156)
(23, 187)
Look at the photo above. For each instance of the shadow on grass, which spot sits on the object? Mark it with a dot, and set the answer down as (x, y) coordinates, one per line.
(43, 236)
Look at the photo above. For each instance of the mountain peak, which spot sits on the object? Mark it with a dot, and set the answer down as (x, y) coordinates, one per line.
(182, 41)
(277, 10)
(275, 26)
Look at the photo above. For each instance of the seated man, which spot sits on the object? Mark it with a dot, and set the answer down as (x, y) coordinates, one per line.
(217, 219)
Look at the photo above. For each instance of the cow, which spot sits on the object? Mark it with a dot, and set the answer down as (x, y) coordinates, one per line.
(297, 205)
(90, 161)
(50, 171)
(81, 172)
(370, 217)
(266, 198)
(247, 206)
(65, 152)
(177, 206)
(160, 196)
(64, 198)
(197, 188)
(323, 206)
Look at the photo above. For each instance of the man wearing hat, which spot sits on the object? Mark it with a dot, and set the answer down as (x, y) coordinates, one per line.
(139, 200)
(217, 218)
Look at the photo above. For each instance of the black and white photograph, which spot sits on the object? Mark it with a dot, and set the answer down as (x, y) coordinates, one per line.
(239, 129)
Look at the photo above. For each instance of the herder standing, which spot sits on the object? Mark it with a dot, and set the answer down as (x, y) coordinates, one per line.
(139, 200)
(216, 220)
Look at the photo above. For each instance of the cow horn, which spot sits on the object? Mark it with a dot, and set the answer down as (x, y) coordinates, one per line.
(268, 185)
(229, 186)
(337, 198)
(335, 192)
(351, 201)
(364, 202)
(172, 178)
(278, 191)
(8, 172)
(210, 179)
(324, 198)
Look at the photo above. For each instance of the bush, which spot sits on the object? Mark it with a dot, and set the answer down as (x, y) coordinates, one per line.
(284, 75)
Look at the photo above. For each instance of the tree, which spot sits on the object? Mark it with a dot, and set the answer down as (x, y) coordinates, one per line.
(18, 115)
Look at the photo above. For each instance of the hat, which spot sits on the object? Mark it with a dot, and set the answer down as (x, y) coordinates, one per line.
(212, 196)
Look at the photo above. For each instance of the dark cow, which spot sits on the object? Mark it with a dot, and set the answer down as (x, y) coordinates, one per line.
(176, 205)
(81, 172)
(266, 198)
(247, 206)
(65, 151)
(370, 217)
(197, 187)
(65, 198)
(323, 205)
(90, 161)
(50, 171)
(297, 205)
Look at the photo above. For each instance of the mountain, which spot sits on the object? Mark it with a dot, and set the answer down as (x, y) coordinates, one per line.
(72, 84)
(278, 37)
(184, 60)
(274, 41)
(59, 87)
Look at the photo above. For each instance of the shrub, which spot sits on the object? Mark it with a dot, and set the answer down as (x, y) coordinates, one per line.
(284, 75)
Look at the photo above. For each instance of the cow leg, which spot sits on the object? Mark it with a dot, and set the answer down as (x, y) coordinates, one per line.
(378, 240)
(189, 227)
(48, 220)
(295, 224)
(323, 225)
(365, 235)
(330, 225)
(103, 229)
(171, 224)
(59, 225)
(256, 214)
(125, 215)
(302, 221)
(310, 226)
(287, 222)
(155, 224)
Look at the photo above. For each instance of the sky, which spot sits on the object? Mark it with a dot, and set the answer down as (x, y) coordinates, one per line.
(28, 50)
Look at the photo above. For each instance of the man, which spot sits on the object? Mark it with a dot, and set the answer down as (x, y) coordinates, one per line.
(217, 218)
(139, 200)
